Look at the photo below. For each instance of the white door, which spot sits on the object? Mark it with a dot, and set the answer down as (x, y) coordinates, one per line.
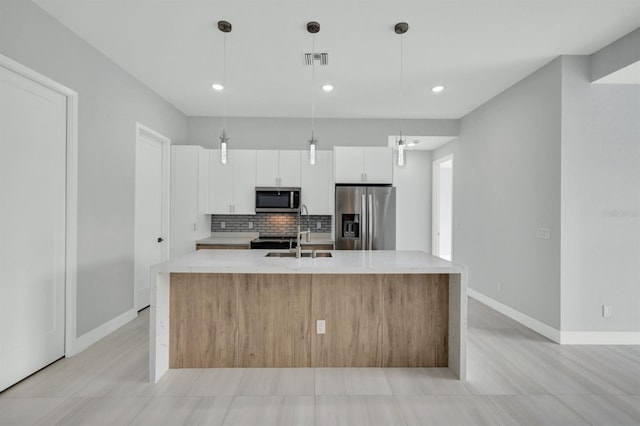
(443, 207)
(32, 226)
(151, 210)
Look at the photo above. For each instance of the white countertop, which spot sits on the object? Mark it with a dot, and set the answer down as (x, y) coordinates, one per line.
(342, 262)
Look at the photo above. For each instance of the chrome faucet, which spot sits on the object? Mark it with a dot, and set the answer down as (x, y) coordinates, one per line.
(301, 233)
(302, 206)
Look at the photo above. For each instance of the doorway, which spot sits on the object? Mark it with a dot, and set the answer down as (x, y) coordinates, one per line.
(151, 208)
(443, 207)
(38, 222)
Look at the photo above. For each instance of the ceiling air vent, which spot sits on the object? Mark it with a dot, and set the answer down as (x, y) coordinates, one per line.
(320, 58)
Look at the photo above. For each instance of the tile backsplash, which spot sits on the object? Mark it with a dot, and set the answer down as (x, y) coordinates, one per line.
(270, 223)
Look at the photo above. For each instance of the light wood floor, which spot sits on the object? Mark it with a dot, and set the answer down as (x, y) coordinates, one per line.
(515, 377)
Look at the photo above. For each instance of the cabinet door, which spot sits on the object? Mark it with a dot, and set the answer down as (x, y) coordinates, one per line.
(203, 221)
(184, 199)
(378, 164)
(267, 167)
(317, 183)
(349, 164)
(220, 184)
(289, 170)
(244, 180)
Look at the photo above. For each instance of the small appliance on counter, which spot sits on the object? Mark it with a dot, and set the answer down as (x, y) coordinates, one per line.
(365, 217)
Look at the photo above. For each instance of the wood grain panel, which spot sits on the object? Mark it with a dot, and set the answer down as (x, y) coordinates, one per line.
(351, 307)
(415, 324)
(273, 321)
(203, 320)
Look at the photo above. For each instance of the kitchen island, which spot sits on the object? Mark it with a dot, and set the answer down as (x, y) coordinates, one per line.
(231, 308)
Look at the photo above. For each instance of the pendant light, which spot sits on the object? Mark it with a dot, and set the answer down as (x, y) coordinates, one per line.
(313, 28)
(401, 28)
(225, 27)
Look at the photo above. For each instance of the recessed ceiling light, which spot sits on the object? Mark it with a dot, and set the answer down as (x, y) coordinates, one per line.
(217, 86)
(437, 89)
(327, 87)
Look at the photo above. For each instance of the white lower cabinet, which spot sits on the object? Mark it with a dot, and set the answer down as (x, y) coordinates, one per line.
(232, 185)
(189, 196)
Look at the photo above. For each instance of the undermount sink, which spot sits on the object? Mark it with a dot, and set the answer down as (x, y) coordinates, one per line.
(292, 254)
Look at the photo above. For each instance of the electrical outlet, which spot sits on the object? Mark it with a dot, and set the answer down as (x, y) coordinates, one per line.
(320, 327)
(543, 233)
(318, 225)
(250, 225)
(607, 310)
(223, 225)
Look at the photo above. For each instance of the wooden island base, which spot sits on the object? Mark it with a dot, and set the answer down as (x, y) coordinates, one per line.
(269, 320)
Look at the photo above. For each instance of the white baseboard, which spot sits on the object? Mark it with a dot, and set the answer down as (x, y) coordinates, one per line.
(83, 342)
(562, 337)
(600, 338)
(532, 323)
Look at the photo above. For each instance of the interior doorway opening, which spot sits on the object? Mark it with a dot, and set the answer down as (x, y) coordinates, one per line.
(443, 207)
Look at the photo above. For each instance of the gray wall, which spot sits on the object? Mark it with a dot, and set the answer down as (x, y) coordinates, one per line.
(110, 103)
(506, 185)
(294, 133)
(600, 201)
(615, 56)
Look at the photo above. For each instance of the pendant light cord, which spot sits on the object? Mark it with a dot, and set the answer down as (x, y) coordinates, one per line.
(224, 82)
(313, 82)
(401, 74)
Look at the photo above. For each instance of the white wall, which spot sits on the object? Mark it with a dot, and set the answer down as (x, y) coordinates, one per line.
(110, 103)
(413, 201)
(600, 202)
(294, 133)
(506, 185)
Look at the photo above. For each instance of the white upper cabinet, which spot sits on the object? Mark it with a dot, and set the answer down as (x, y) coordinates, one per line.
(189, 196)
(363, 165)
(232, 185)
(317, 183)
(278, 168)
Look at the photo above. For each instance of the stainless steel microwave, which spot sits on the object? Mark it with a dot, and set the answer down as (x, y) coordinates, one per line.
(277, 199)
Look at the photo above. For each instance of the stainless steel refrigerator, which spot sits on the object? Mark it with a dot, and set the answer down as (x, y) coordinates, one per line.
(365, 218)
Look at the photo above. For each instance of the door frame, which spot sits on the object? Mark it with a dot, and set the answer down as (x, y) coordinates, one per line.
(435, 239)
(71, 214)
(143, 131)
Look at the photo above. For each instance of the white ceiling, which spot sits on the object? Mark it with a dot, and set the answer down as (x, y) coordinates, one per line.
(476, 48)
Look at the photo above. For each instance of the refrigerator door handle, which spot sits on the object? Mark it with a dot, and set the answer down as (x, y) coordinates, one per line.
(363, 231)
(370, 219)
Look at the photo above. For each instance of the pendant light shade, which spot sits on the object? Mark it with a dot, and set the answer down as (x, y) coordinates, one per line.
(312, 151)
(313, 28)
(401, 152)
(401, 159)
(225, 27)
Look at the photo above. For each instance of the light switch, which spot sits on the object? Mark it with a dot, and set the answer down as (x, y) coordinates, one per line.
(320, 327)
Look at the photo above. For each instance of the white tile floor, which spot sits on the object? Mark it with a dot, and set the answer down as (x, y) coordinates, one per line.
(515, 377)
